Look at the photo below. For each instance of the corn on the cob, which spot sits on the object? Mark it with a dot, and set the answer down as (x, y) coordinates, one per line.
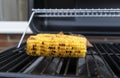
(56, 45)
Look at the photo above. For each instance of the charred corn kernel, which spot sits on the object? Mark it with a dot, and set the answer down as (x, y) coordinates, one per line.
(56, 45)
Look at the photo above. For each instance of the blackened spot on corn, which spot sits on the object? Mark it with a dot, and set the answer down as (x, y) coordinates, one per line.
(61, 44)
(78, 51)
(42, 46)
(34, 47)
(53, 51)
(42, 43)
(68, 51)
(58, 47)
(51, 47)
(72, 47)
(41, 53)
(43, 50)
(60, 54)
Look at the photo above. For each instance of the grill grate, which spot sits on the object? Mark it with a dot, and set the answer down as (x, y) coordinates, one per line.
(15, 60)
(102, 61)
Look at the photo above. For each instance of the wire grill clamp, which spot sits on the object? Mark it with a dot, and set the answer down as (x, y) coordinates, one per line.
(71, 13)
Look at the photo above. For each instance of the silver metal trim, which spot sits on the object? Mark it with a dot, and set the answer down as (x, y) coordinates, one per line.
(25, 30)
(78, 12)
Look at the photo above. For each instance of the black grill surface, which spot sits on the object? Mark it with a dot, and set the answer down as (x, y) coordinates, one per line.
(102, 61)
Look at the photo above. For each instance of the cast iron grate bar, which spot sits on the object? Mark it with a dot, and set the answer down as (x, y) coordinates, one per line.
(13, 69)
(114, 52)
(5, 61)
(45, 68)
(20, 65)
(77, 63)
(30, 62)
(7, 55)
(57, 67)
(12, 63)
(97, 68)
(72, 66)
(87, 66)
(33, 65)
(53, 66)
(67, 66)
(115, 48)
(9, 51)
(111, 59)
(99, 49)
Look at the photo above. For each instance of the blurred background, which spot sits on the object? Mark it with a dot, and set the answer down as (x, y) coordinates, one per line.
(13, 20)
(13, 10)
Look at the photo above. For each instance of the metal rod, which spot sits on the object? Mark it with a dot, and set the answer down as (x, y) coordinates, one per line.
(12, 63)
(33, 65)
(10, 58)
(25, 29)
(18, 64)
(77, 67)
(67, 66)
(97, 66)
(45, 68)
(57, 66)
(27, 65)
(87, 65)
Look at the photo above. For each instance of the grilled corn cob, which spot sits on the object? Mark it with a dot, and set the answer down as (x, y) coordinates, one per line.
(56, 45)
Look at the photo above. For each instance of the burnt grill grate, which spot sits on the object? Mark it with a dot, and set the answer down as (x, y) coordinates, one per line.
(102, 61)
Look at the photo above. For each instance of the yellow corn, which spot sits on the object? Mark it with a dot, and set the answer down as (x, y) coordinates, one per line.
(56, 45)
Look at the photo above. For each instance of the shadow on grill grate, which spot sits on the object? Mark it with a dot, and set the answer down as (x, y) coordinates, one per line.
(15, 60)
(102, 61)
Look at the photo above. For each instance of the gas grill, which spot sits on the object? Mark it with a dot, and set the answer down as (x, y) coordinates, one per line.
(102, 60)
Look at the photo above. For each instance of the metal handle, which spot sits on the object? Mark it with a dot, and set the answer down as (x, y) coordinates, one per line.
(25, 29)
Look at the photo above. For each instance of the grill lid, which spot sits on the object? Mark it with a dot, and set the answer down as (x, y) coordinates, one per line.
(101, 25)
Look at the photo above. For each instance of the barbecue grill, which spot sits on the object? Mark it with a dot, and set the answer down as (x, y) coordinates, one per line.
(102, 60)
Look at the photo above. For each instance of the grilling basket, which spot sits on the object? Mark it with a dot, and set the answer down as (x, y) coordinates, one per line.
(98, 20)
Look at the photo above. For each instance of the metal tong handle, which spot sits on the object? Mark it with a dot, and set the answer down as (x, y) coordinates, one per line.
(23, 35)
